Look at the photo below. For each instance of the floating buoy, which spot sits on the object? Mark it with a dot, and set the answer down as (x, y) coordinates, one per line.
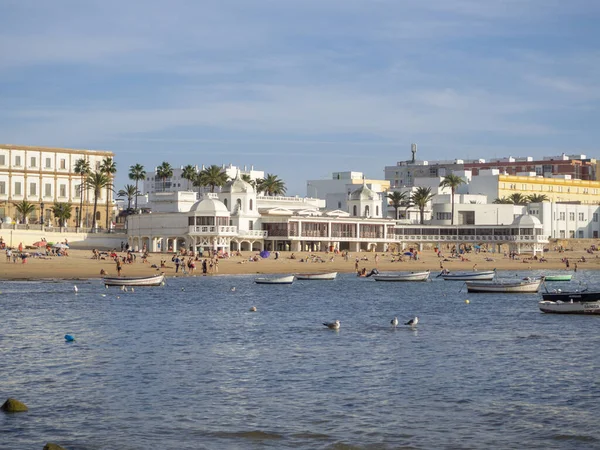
(233, 289)
(467, 302)
(253, 309)
(69, 338)
(182, 289)
(103, 295)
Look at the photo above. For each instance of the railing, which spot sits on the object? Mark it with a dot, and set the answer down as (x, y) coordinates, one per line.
(253, 233)
(213, 229)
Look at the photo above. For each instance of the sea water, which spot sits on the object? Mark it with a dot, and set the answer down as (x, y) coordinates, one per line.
(189, 366)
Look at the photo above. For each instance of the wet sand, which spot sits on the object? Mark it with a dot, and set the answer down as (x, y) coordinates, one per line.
(80, 265)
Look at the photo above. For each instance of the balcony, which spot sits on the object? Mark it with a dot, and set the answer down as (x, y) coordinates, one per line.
(253, 233)
(212, 230)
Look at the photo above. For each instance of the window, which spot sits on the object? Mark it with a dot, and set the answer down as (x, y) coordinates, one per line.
(250, 225)
(48, 163)
(377, 210)
(561, 216)
(354, 211)
(571, 216)
(367, 211)
(225, 202)
(562, 234)
(77, 190)
(595, 217)
(17, 161)
(2, 187)
(339, 205)
(18, 188)
(580, 234)
(47, 190)
(581, 216)
(2, 160)
(572, 234)
(33, 161)
(63, 190)
(63, 163)
(32, 189)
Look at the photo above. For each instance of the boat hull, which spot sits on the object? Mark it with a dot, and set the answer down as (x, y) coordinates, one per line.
(575, 296)
(155, 280)
(470, 276)
(317, 276)
(558, 277)
(560, 307)
(522, 287)
(399, 277)
(275, 280)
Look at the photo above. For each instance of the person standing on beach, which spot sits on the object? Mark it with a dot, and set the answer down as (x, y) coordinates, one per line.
(119, 267)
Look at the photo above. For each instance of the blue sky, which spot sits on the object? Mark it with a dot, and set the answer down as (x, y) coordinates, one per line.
(301, 88)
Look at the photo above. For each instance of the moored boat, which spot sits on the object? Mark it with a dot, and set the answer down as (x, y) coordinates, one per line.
(288, 279)
(563, 277)
(402, 276)
(317, 276)
(572, 296)
(526, 286)
(469, 276)
(576, 302)
(154, 280)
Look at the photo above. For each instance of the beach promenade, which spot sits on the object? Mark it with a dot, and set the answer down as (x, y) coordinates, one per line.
(80, 265)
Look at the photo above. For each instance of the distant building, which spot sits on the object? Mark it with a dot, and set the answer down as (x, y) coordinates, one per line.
(46, 175)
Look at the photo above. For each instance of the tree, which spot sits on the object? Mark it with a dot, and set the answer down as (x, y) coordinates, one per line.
(109, 168)
(130, 192)
(518, 199)
(398, 200)
(420, 197)
(452, 181)
(24, 208)
(137, 174)
(537, 198)
(189, 173)
(271, 185)
(82, 168)
(96, 181)
(164, 171)
(502, 201)
(249, 180)
(62, 211)
(212, 176)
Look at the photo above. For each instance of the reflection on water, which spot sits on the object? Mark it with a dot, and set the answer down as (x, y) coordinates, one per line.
(189, 366)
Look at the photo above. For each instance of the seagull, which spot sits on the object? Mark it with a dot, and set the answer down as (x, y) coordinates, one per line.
(253, 309)
(332, 325)
(75, 289)
(132, 289)
(394, 322)
(413, 322)
(232, 289)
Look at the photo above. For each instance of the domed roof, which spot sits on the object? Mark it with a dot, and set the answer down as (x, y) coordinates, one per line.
(238, 186)
(364, 193)
(526, 221)
(209, 207)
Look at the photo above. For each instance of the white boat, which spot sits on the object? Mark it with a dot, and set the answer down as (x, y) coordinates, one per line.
(409, 276)
(317, 276)
(154, 280)
(528, 285)
(466, 276)
(288, 279)
(570, 307)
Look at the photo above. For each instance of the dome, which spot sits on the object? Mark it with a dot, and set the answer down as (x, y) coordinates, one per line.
(237, 186)
(526, 221)
(364, 193)
(209, 207)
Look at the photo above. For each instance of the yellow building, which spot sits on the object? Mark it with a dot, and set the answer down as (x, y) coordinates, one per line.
(44, 176)
(555, 189)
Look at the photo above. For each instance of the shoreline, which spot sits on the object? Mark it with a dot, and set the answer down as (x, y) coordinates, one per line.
(79, 265)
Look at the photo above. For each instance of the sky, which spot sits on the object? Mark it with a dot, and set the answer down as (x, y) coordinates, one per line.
(301, 88)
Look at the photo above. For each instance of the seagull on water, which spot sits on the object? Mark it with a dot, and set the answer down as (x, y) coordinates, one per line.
(75, 289)
(394, 322)
(413, 322)
(332, 325)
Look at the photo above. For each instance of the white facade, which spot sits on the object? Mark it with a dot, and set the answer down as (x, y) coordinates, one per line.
(567, 221)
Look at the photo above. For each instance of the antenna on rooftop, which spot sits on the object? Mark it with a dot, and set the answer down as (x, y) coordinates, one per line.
(413, 149)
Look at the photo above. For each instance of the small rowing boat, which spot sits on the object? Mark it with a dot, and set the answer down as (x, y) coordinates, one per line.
(289, 279)
(469, 276)
(563, 277)
(526, 286)
(317, 276)
(410, 276)
(154, 280)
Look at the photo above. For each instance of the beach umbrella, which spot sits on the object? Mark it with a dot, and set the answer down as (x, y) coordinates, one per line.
(61, 245)
(265, 254)
(408, 253)
(39, 244)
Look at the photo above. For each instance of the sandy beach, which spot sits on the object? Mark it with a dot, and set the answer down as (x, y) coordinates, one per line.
(80, 265)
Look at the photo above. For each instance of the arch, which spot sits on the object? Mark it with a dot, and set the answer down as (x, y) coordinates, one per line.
(354, 211)
(225, 202)
(367, 211)
(238, 204)
(97, 215)
(377, 210)
(251, 204)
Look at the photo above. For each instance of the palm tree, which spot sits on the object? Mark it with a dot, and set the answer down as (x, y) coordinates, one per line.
(502, 201)
(82, 168)
(537, 198)
(109, 167)
(271, 185)
(397, 200)
(24, 208)
(130, 192)
(212, 176)
(62, 211)
(249, 180)
(452, 181)
(164, 171)
(189, 173)
(97, 181)
(420, 197)
(518, 199)
(137, 174)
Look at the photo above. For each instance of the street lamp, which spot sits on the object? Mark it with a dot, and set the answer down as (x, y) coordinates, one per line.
(42, 213)
(77, 218)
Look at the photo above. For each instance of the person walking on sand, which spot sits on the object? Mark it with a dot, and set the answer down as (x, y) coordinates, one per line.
(119, 267)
